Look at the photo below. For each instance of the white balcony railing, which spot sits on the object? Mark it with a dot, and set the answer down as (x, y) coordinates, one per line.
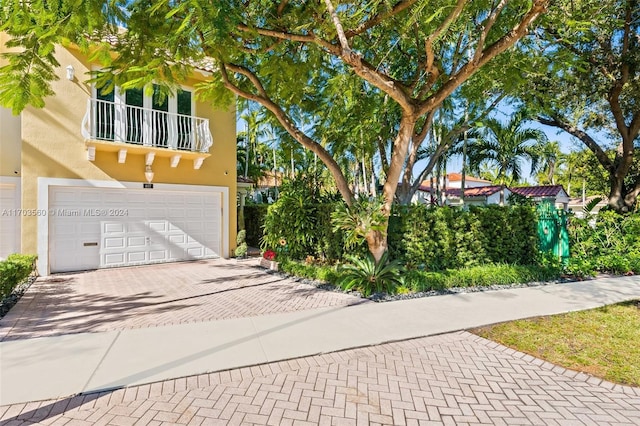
(110, 121)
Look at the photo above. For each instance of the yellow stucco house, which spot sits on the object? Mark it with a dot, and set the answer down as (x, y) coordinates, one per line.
(98, 180)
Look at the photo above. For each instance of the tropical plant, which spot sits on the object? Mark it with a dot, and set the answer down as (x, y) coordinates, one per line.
(505, 146)
(360, 219)
(368, 276)
(550, 157)
(294, 218)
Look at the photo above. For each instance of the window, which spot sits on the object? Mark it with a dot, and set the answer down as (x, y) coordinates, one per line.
(131, 116)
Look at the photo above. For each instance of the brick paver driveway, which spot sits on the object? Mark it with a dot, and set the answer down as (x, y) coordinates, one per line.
(449, 379)
(157, 295)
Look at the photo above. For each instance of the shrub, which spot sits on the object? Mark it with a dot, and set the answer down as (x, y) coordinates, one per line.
(608, 242)
(15, 270)
(316, 272)
(241, 248)
(580, 268)
(302, 218)
(368, 276)
(479, 276)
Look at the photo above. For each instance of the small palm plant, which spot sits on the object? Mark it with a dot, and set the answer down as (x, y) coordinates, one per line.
(367, 276)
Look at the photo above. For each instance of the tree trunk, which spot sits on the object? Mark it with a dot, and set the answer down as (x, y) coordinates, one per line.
(377, 242)
(622, 199)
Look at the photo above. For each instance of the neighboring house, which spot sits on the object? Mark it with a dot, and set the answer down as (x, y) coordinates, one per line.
(552, 193)
(76, 176)
(450, 181)
(454, 180)
(479, 196)
(577, 205)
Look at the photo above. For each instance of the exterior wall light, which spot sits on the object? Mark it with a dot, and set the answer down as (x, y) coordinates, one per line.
(148, 174)
(71, 72)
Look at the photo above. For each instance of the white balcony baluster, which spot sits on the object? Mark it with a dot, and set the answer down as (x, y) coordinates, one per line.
(116, 122)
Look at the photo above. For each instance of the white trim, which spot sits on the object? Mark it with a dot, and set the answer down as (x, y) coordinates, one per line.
(197, 162)
(148, 159)
(16, 182)
(43, 203)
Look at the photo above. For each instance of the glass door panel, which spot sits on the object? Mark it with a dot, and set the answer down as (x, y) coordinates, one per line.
(134, 98)
(184, 120)
(104, 115)
(160, 106)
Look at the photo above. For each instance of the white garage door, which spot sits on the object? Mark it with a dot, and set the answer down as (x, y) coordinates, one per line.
(9, 220)
(93, 228)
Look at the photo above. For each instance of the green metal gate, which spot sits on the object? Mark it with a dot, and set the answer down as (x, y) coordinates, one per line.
(552, 231)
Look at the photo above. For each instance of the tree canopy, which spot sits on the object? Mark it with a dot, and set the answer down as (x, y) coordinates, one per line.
(296, 59)
(585, 80)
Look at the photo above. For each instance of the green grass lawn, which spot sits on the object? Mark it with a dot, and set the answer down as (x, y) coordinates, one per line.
(604, 342)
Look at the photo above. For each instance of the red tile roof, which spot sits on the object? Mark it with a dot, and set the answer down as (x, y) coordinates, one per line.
(480, 191)
(538, 191)
(242, 179)
(456, 177)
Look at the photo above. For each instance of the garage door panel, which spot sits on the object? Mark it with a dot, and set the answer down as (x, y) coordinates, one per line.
(160, 226)
(115, 259)
(114, 227)
(136, 242)
(136, 257)
(177, 238)
(112, 198)
(114, 243)
(156, 212)
(157, 255)
(91, 197)
(63, 196)
(195, 252)
(157, 226)
(88, 227)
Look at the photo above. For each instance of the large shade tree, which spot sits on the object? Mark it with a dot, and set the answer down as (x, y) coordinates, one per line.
(586, 82)
(284, 55)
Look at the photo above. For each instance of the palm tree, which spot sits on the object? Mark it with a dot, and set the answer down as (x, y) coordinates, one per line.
(550, 158)
(505, 146)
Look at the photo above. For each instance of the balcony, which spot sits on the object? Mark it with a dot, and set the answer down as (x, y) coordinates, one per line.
(117, 127)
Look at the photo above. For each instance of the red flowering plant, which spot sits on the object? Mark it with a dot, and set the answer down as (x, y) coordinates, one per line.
(269, 255)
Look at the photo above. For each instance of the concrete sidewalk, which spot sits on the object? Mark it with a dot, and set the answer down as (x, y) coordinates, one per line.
(52, 367)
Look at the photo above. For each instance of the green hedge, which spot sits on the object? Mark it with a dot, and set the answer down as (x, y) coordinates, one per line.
(608, 242)
(13, 271)
(449, 238)
(253, 221)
